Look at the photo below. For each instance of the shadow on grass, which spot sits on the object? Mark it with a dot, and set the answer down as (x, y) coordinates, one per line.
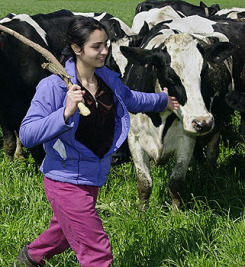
(222, 187)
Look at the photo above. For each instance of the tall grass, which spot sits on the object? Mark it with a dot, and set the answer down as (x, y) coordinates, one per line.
(209, 230)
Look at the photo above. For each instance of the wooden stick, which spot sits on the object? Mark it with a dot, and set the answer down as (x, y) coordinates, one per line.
(53, 66)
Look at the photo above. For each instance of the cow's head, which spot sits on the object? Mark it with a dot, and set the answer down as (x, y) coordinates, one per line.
(210, 11)
(178, 66)
(114, 59)
(144, 6)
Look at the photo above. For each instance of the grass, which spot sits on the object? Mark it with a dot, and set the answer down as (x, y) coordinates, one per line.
(124, 10)
(208, 231)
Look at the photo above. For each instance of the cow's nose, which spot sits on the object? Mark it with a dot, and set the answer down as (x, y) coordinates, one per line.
(202, 126)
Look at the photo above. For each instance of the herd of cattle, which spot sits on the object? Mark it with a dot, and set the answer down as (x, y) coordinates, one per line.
(197, 52)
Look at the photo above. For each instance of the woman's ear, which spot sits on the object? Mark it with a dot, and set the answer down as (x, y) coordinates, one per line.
(77, 50)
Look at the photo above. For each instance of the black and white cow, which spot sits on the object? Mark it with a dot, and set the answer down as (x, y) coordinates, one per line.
(117, 29)
(230, 30)
(235, 13)
(235, 32)
(20, 65)
(153, 17)
(120, 34)
(20, 69)
(185, 8)
(186, 65)
(236, 99)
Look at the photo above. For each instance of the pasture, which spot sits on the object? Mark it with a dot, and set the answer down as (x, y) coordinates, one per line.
(209, 230)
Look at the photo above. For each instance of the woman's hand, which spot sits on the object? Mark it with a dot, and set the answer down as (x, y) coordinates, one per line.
(173, 104)
(74, 96)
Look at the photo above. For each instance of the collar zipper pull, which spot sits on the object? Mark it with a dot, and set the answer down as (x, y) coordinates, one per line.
(96, 103)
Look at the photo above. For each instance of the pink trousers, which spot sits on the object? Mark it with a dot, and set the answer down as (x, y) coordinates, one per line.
(75, 223)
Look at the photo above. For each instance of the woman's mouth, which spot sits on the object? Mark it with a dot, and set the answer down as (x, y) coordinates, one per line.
(101, 59)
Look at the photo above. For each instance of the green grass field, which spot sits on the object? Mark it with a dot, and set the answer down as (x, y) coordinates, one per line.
(208, 231)
(123, 9)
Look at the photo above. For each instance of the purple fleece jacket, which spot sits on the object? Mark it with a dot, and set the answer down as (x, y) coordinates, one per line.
(67, 160)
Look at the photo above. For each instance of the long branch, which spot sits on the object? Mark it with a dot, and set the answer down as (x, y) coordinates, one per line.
(53, 64)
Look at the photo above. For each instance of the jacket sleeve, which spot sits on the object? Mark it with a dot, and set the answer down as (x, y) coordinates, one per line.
(44, 119)
(143, 102)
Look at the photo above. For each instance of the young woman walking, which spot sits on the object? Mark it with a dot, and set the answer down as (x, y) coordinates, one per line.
(79, 149)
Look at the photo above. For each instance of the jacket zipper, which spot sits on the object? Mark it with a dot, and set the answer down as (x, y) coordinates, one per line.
(95, 100)
(99, 172)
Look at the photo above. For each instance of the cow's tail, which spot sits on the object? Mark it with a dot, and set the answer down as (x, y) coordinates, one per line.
(236, 100)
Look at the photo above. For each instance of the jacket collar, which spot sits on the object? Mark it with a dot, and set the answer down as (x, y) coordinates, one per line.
(108, 76)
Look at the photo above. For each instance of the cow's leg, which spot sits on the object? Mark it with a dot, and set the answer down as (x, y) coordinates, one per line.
(18, 151)
(9, 142)
(142, 164)
(212, 151)
(242, 125)
(144, 182)
(122, 155)
(177, 178)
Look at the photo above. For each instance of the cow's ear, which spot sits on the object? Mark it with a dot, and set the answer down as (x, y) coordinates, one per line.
(137, 39)
(144, 30)
(136, 55)
(215, 7)
(3, 35)
(220, 51)
(114, 31)
(202, 4)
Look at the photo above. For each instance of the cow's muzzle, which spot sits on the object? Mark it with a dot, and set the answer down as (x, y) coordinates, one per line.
(202, 126)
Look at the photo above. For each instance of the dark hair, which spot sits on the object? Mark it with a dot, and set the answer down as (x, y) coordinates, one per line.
(79, 31)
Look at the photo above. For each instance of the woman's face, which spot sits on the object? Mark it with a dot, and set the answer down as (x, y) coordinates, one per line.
(95, 50)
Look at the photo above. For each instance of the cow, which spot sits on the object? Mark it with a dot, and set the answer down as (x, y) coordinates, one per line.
(236, 101)
(185, 65)
(185, 8)
(20, 69)
(20, 65)
(235, 13)
(235, 32)
(153, 17)
(226, 29)
(116, 27)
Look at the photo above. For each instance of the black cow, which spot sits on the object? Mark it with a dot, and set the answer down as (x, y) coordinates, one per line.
(186, 8)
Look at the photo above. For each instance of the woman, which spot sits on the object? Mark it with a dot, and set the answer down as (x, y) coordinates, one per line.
(78, 149)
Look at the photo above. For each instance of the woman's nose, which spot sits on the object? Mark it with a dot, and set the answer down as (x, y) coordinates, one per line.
(104, 50)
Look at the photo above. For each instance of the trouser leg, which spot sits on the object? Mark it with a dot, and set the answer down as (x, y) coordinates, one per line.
(78, 224)
(51, 242)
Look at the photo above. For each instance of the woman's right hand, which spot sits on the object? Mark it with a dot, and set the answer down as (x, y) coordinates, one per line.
(74, 96)
(173, 104)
